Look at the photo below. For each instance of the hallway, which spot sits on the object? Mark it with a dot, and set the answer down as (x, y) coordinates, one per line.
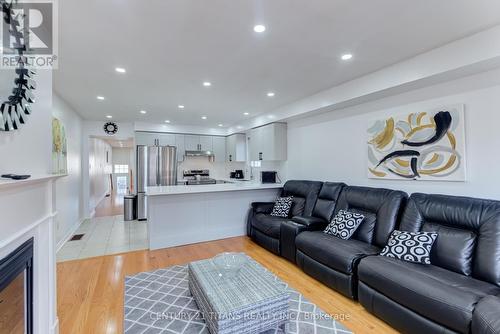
(110, 206)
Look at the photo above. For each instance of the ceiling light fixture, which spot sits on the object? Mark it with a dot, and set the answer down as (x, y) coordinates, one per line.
(167, 121)
(207, 84)
(220, 124)
(180, 106)
(143, 112)
(259, 28)
(346, 56)
(246, 113)
(109, 116)
(203, 117)
(100, 97)
(120, 70)
(270, 94)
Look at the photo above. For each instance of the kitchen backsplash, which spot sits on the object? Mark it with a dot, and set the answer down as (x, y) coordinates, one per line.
(221, 170)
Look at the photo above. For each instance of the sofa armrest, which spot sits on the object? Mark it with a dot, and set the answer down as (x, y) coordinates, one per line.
(311, 222)
(486, 316)
(262, 207)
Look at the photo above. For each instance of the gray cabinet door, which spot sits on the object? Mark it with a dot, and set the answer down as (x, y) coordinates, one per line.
(192, 143)
(166, 139)
(206, 143)
(146, 138)
(219, 148)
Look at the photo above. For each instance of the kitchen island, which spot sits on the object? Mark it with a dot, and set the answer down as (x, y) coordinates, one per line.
(184, 214)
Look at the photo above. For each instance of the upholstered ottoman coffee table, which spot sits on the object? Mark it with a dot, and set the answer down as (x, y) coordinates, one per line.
(251, 302)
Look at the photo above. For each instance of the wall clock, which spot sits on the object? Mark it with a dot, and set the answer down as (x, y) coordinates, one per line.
(110, 128)
(16, 84)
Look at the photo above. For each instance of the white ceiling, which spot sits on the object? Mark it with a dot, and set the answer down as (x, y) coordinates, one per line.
(170, 47)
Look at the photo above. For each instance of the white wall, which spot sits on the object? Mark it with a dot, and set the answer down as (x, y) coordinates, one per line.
(332, 146)
(100, 161)
(28, 150)
(69, 196)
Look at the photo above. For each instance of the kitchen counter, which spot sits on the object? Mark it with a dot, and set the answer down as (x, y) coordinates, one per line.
(180, 215)
(235, 185)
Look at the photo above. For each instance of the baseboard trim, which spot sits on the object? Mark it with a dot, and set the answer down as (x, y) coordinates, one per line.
(68, 235)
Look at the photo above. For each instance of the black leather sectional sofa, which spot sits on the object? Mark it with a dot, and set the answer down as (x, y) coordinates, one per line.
(458, 293)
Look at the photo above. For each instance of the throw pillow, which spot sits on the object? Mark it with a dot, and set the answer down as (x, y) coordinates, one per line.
(410, 246)
(282, 206)
(344, 224)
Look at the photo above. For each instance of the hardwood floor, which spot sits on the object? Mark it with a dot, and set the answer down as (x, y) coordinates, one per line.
(90, 291)
(110, 206)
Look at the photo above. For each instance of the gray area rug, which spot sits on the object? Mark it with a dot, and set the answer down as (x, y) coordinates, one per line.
(160, 302)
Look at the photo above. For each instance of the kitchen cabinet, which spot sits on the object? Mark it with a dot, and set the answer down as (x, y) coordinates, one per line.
(268, 143)
(219, 148)
(236, 147)
(154, 139)
(198, 143)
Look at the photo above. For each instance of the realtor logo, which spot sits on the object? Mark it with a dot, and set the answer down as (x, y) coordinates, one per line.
(28, 33)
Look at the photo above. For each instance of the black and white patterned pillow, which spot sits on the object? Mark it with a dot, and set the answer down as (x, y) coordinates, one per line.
(344, 224)
(282, 206)
(410, 246)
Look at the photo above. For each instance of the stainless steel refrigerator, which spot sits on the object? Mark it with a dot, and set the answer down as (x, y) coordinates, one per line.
(156, 166)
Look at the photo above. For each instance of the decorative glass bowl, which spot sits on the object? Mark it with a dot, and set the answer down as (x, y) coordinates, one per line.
(229, 264)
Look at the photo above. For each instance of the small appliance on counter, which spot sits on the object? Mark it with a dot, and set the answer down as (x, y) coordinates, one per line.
(198, 177)
(237, 174)
(268, 176)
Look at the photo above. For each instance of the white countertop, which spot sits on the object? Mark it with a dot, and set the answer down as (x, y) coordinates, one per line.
(209, 188)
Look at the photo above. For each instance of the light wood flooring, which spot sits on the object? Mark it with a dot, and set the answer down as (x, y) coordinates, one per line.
(90, 291)
(110, 206)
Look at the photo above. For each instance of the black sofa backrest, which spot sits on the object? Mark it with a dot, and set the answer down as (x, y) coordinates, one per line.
(468, 232)
(305, 194)
(327, 200)
(381, 208)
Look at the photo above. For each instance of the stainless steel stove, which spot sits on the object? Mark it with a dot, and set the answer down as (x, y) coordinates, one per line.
(198, 177)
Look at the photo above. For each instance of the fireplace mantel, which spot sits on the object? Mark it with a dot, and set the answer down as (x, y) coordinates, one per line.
(28, 211)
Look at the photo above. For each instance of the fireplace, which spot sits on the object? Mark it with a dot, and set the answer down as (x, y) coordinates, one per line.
(16, 290)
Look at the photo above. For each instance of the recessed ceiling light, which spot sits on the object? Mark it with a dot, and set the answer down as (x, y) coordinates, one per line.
(143, 112)
(220, 124)
(207, 84)
(203, 117)
(270, 94)
(109, 116)
(346, 56)
(120, 70)
(167, 121)
(239, 127)
(180, 106)
(246, 113)
(100, 98)
(259, 28)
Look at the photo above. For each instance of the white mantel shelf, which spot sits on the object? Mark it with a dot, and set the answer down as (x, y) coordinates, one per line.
(9, 183)
(210, 188)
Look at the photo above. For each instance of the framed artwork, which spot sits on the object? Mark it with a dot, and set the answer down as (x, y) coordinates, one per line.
(59, 148)
(422, 145)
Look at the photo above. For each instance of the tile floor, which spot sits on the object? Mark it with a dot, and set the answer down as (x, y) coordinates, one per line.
(104, 236)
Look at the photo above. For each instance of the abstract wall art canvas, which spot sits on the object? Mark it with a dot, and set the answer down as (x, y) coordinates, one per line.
(59, 148)
(422, 145)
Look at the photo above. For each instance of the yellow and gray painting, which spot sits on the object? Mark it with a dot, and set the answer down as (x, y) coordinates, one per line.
(419, 146)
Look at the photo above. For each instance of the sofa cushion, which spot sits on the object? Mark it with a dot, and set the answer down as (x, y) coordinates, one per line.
(384, 204)
(327, 199)
(468, 228)
(486, 319)
(410, 246)
(341, 255)
(344, 224)
(438, 294)
(308, 190)
(298, 205)
(282, 207)
(268, 225)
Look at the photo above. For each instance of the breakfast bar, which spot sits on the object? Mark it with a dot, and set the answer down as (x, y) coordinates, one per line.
(183, 214)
